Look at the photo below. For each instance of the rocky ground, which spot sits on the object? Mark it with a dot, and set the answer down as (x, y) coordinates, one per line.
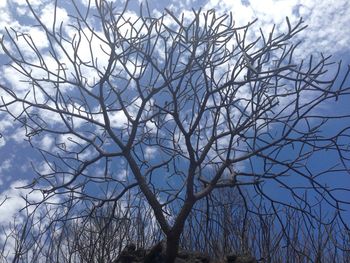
(157, 254)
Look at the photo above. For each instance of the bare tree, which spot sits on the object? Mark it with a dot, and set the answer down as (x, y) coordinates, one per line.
(176, 107)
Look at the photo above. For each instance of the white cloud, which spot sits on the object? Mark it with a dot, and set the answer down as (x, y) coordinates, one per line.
(34, 34)
(122, 175)
(44, 168)
(15, 80)
(87, 2)
(32, 2)
(4, 167)
(5, 122)
(2, 141)
(48, 14)
(118, 119)
(15, 202)
(150, 152)
(328, 20)
(46, 142)
(69, 142)
(7, 129)
(3, 3)
(19, 135)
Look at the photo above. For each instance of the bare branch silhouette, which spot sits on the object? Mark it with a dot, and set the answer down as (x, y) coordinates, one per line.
(174, 108)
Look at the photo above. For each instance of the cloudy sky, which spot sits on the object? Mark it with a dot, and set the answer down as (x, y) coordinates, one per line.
(328, 32)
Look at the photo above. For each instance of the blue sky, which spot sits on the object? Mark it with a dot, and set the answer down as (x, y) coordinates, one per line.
(327, 32)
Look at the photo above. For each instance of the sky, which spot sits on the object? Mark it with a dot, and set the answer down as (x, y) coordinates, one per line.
(327, 32)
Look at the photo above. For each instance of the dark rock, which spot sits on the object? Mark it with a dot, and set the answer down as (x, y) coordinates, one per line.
(157, 255)
(233, 258)
(130, 254)
(130, 248)
(192, 256)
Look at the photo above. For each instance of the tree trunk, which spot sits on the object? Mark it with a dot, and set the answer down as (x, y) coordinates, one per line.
(172, 247)
(173, 236)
